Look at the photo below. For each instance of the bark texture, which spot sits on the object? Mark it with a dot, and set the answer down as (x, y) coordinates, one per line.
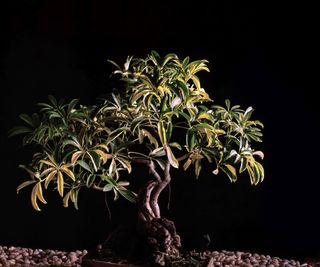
(154, 238)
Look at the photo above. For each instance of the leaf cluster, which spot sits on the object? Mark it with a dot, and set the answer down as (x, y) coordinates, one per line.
(162, 114)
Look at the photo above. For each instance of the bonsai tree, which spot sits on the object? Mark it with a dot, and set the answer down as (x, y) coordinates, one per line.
(160, 118)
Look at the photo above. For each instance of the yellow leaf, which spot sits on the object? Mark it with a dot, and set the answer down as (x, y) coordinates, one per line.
(173, 161)
(103, 155)
(24, 184)
(187, 164)
(68, 172)
(261, 170)
(150, 137)
(34, 199)
(47, 162)
(66, 199)
(231, 169)
(75, 157)
(123, 183)
(49, 178)
(125, 163)
(39, 193)
(60, 183)
(251, 174)
(204, 116)
(46, 171)
(105, 147)
(196, 81)
(164, 89)
(162, 133)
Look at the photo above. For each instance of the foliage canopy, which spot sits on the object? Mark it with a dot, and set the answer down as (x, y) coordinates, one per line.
(162, 114)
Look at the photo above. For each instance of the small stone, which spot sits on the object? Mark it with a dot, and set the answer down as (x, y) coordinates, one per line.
(18, 257)
(73, 256)
(12, 262)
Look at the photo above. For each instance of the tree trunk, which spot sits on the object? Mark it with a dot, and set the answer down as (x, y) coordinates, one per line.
(162, 241)
(159, 233)
(154, 239)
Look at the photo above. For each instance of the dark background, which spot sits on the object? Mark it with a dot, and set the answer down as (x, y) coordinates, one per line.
(261, 54)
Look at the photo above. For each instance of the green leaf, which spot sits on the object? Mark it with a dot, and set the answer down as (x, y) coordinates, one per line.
(243, 164)
(95, 159)
(161, 163)
(167, 58)
(107, 187)
(230, 171)
(127, 194)
(75, 197)
(90, 180)
(84, 165)
(109, 179)
(162, 133)
(169, 130)
(190, 140)
(71, 105)
(197, 167)
(116, 100)
(26, 118)
(135, 122)
(19, 130)
(72, 143)
(176, 145)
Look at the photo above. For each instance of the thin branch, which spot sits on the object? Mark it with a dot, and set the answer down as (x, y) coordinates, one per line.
(169, 197)
(98, 188)
(142, 161)
(152, 170)
(144, 201)
(107, 206)
(158, 189)
(183, 157)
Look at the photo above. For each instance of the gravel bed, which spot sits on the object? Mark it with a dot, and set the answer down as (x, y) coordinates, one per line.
(245, 259)
(23, 257)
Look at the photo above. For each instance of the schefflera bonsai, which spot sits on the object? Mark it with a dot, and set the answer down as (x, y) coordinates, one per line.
(161, 118)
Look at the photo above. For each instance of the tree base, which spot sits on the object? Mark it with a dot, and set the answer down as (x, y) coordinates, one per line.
(151, 243)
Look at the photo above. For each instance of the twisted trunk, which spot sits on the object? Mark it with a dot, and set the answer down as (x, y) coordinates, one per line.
(159, 233)
(154, 238)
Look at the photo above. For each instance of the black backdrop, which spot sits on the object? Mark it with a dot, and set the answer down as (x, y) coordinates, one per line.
(260, 54)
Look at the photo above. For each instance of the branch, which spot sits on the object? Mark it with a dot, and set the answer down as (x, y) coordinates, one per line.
(98, 188)
(183, 157)
(145, 211)
(152, 168)
(142, 161)
(158, 189)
